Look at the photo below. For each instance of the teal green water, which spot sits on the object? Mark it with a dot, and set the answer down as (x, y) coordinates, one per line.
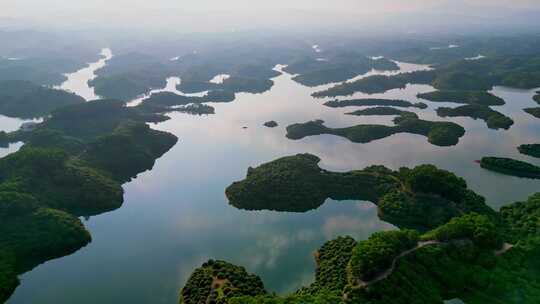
(176, 216)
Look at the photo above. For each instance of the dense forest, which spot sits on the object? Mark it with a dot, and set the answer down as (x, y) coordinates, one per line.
(494, 120)
(439, 133)
(72, 164)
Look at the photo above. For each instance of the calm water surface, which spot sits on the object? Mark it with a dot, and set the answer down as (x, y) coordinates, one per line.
(176, 216)
(77, 82)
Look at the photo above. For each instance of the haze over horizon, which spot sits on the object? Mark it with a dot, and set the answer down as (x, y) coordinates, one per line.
(210, 15)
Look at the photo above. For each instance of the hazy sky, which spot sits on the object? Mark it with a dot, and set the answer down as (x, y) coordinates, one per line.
(229, 13)
(16, 8)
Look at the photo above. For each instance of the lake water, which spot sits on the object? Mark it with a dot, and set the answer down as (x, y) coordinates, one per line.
(170, 86)
(176, 216)
(77, 82)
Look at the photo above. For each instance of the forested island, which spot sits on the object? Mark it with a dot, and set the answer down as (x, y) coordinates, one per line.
(533, 111)
(25, 99)
(530, 149)
(466, 97)
(382, 111)
(421, 198)
(377, 84)
(270, 124)
(73, 164)
(473, 253)
(339, 67)
(438, 133)
(42, 63)
(129, 75)
(494, 120)
(169, 102)
(374, 102)
(510, 166)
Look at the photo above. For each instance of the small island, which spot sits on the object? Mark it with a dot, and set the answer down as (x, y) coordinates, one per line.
(466, 97)
(380, 111)
(533, 111)
(510, 166)
(494, 120)
(530, 149)
(537, 97)
(406, 198)
(374, 102)
(270, 124)
(438, 133)
(196, 109)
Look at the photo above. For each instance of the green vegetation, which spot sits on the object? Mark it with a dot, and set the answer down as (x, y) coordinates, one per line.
(332, 260)
(460, 259)
(224, 92)
(495, 120)
(340, 67)
(380, 111)
(375, 255)
(145, 145)
(72, 164)
(196, 109)
(57, 181)
(248, 85)
(252, 77)
(533, 111)
(32, 234)
(320, 298)
(463, 75)
(421, 198)
(438, 133)
(298, 179)
(125, 87)
(522, 218)
(217, 281)
(127, 76)
(43, 63)
(467, 97)
(480, 229)
(374, 102)
(93, 119)
(510, 167)
(513, 71)
(377, 84)
(530, 149)
(27, 100)
(537, 97)
(168, 102)
(270, 124)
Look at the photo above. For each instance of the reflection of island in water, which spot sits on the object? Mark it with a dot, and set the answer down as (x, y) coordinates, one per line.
(465, 234)
(422, 198)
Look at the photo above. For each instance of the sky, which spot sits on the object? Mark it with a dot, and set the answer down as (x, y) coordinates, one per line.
(38, 7)
(216, 14)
